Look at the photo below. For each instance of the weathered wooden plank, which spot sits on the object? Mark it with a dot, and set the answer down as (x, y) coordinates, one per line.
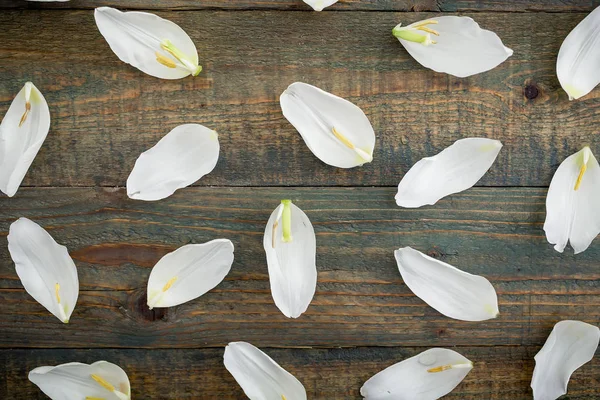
(360, 300)
(105, 113)
(342, 5)
(499, 373)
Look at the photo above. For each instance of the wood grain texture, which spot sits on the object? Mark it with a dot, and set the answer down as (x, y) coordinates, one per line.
(342, 5)
(360, 300)
(105, 113)
(499, 373)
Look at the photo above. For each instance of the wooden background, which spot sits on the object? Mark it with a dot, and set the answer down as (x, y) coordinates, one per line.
(363, 318)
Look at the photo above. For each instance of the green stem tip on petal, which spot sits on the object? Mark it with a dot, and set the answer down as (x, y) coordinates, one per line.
(287, 220)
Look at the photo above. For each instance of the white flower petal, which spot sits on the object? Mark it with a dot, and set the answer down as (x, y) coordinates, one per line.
(45, 268)
(319, 5)
(100, 380)
(152, 44)
(335, 130)
(260, 376)
(183, 156)
(461, 49)
(189, 272)
(426, 376)
(578, 62)
(573, 215)
(291, 248)
(455, 169)
(22, 132)
(454, 293)
(570, 345)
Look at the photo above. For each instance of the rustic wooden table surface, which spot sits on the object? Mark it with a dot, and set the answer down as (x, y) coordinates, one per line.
(363, 318)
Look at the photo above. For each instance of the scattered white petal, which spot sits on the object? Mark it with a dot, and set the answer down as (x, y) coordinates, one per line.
(426, 376)
(22, 132)
(572, 209)
(152, 44)
(260, 376)
(183, 156)
(291, 248)
(100, 380)
(45, 268)
(319, 5)
(454, 293)
(454, 45)
(189, 272)
(570, 345)
(455, 169)
(335, 130)
(578, 62)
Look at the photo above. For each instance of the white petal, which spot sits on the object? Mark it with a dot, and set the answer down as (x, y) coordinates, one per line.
(22, 133)
(183, 156)
(574, 215)
(292, 264)
(454, 293)
(335, 130)
(75, 381)
(319, 5)
(45, 268)
(189, 272)
(260, 376)
(578, 62)
(462, 48)
(570, 345)
(412, 379)
(455, 169)
(144, 40)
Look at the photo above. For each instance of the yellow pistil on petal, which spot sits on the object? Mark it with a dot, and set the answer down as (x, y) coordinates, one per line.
(273, 233)
(580, 177)
(286, 218)
(103, 382)
(583, 159)
(446, 367)
(57, 292)
(361, 153)
(94, 398)
(25, 114)
(167, 62)
(169, 284)
(283, 397)
(170, 48)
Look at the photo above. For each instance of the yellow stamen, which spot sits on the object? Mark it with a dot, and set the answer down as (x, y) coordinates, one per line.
(275, 225)
(446, 367)
(342, 138)
(283, 397)
(26, 113)
(440, 368)
(57, 292)
(167, 62)
(94, 398)
(580, 177)
(429, 30)
(425, 23)
(102, 382)
(169, 284)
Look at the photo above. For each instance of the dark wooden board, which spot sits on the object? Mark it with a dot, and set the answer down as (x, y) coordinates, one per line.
(499, 373)
(342, 5)
(360, 300)
(105, 113)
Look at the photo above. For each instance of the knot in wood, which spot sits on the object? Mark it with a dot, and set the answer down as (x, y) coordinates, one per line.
(531, 91)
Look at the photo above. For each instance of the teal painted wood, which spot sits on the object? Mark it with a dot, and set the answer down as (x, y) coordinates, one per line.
(360, 300)
(105, 113)
(342, 5)
(499, 373)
